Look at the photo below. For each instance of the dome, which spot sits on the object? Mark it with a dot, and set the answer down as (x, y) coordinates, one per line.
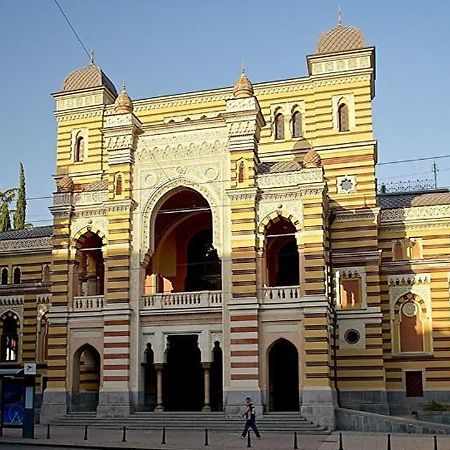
(90, 76)
(311, 159)
(340, 39)
(123, 103)
(65, 184)
(243, 87)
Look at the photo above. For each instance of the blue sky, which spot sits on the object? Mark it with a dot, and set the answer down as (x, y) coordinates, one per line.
(163, 47)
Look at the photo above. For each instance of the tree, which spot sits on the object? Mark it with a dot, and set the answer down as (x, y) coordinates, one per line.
(6, 197)
(21, 204)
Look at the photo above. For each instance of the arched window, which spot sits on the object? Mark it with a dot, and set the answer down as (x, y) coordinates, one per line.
(118, 187)
(43, 337)
(4, 276)
(46, 273)
(343, 123)
(17, 275)
(398, 251)
(241, 172)
(297, 124)
(351, 292)
(10, 338)
(79, 149)
(411, 328)
(415, 248)
(279, 126)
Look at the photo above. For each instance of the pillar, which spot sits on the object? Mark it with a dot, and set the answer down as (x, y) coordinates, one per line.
(207, 382)
(159, 367)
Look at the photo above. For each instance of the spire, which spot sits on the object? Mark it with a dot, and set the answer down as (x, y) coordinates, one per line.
(123, 103)
(339, 15)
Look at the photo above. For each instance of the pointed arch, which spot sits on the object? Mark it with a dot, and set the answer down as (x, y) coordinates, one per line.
(343, 117)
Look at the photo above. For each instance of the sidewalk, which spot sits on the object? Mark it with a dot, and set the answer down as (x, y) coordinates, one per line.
(66, 437)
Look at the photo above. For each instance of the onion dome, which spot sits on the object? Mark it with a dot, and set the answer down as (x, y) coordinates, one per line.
(123, 103)
(311, 159)
(90, 76)
(243, 87)
(65, 184)
(340, 39)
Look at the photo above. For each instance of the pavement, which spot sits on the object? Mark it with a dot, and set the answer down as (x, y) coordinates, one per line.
(63, 437)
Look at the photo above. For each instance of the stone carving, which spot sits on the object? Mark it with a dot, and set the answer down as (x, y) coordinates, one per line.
(81, 225)
(78, 116)
(418, 213)
(43, 243)
(242, 128)
(16, 309)
(242, 104)
(408, 279)
(357, 216)
(10, 300)
(116, 142)
(361, 62)
(310, 175)
(62, 199)
(90, 198)
(118, 120)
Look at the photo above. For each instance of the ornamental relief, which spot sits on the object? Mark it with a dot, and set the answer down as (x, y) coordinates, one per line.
(283, 207)
(115, 142)
(180, 146)
(80, 225)
(415, 213)
(43, 243)
(362, 62)
(290, 178)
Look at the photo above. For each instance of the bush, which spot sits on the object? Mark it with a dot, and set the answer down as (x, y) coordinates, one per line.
(433, 405)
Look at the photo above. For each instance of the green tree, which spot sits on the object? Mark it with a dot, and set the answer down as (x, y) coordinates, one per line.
(6, 197)
(21, 204)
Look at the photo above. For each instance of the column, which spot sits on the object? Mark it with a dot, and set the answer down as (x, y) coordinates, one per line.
(207, 378)
(159, 367)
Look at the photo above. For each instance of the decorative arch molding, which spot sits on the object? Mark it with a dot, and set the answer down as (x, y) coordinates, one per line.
(159, 196)
(89, 228)
(279, 213)
(277, 340)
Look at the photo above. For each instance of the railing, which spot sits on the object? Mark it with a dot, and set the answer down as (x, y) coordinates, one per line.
(185, 300)
(43, 299)
(93, 302)
(11, 300)
(281, 294)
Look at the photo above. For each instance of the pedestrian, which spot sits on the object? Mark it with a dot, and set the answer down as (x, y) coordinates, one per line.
(250, 418)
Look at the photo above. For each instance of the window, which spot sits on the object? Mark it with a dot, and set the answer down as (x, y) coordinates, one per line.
(79, 149)
(118, 187)
(297, 124)
(352, 336)
(415, 246)
(397, 251)
(414, 384)
(10, 338)
(411, 330)
(279, 126)
(4, 276)
(17, 275)
(351, 293)
(241, 174)
(343, 122)
(45, 273)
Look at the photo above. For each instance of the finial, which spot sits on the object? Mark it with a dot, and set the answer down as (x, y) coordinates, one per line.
(91, 56)
(124, 88)
(242, 66)
(339, 15)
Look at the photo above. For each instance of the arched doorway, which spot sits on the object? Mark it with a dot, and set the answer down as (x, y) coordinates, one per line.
(86, 379)
(217, 379)
(283, 377)
(184, 387)
(282, 258)
(149, 380)
(184, 259)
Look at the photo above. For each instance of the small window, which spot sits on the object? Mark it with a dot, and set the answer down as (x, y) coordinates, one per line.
(415, 246)
(17, 276)
(414, 384)
(398, 251)
(297, 124)
(343, 123)
(79, 149)
(279, 126)
(351, 293)
(241, 174)
(118, 187)
(4, 276)
(352, 336)
(45, 273)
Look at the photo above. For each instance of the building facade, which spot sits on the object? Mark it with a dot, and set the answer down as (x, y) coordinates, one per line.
(227, 243)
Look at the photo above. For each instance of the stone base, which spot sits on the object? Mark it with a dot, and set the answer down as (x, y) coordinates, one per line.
(400, 404)
(54, 406)
(318, 406)
(369, 401)
(114, 404)
(234, 402)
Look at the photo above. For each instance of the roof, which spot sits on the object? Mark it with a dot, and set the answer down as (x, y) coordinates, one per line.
(90, 76)
(411, 199)
(279, 166)
(340, 39)
(27, 233)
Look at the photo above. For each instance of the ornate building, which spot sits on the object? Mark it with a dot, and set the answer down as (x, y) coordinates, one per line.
(217, 244)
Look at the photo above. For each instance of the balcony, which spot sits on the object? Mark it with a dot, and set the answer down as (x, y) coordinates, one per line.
(89, 303)
(281, 294)
(182, 300)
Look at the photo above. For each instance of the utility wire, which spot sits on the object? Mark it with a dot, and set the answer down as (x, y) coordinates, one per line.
(74, 31)
(413, 160)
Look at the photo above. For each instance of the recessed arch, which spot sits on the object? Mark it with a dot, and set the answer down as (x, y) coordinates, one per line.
(277, 215)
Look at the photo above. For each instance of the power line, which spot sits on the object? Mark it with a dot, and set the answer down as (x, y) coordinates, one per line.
(74, 31)
(413, 160)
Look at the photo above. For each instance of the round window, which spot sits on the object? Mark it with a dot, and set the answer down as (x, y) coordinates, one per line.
(352, 336)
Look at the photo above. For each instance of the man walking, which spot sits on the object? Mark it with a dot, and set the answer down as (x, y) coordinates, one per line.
(250, 418)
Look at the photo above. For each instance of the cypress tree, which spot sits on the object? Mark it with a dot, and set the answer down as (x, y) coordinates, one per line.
(21, 204)
(5, 222)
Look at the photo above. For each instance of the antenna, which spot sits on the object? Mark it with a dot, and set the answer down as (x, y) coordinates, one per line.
(435, 171)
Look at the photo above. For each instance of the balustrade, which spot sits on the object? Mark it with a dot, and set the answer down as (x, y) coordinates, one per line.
(281, 294)
(93, 302)
(185, 300)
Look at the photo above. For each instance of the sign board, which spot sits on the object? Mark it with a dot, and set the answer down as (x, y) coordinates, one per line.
(29, 369)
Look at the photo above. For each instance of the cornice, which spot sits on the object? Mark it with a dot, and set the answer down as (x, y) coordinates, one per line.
(29, 245)
(418, 215)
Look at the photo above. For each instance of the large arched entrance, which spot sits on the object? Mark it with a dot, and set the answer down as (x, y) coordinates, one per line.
(283, 377)
(86, 379)
(184, 387)
(184, 259)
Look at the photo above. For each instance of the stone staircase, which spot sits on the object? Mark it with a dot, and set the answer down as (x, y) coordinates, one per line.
(273, 422)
